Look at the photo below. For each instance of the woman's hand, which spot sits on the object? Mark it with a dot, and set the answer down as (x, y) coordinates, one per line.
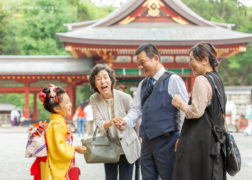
(108, 124)
(176, 145)
(80, 149)
(120, 123)
(177, 101)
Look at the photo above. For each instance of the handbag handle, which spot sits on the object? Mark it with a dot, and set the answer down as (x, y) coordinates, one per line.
(95, 133)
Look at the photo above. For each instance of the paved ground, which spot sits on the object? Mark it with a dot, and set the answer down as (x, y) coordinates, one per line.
(13, 165)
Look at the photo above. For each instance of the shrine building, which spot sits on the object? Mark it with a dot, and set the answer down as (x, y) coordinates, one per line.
(29, 74)
(168, 24)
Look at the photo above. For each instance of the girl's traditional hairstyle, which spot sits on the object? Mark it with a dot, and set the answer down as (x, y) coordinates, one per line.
(51, 97)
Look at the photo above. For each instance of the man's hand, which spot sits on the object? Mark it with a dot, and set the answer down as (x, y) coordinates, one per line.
(116, 122)
(123, 125)
(120, 123)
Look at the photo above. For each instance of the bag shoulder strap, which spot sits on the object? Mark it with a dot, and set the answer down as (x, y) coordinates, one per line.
(217, 94)
(148, 93)
(218, 99)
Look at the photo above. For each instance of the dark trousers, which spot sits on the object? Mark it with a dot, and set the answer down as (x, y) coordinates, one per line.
(137, 169)
(157, 157)
(125, 169)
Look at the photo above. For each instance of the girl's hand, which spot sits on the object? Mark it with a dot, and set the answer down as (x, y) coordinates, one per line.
(80, 149)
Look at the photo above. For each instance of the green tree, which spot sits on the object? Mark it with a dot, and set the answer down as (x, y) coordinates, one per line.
(237, 69)
(33, 25)
(41, 20)
(7, 39)
(30, 27)
(87, 10)
(3, 30)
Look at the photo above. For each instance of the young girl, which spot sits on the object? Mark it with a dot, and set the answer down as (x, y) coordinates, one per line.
(60, 153)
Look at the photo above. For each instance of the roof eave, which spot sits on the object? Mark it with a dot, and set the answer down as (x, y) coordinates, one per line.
(78, 25)
(187, 13)
(83, 41)
(118, 14)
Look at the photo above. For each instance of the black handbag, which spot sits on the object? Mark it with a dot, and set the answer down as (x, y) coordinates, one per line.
(233, 156)
(101, 149)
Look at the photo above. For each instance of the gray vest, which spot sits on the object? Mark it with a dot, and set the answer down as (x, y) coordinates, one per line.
(158, 114)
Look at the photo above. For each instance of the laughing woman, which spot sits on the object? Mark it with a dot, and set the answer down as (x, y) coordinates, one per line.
(107, 104)
(199, 154)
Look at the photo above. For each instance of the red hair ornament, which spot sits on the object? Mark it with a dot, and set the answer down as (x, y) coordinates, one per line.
(42, 97)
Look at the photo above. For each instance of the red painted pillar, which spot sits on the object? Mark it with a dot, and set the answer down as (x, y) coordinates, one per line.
(26, 108)
(74, 99)
(70, 94)
(35, 111)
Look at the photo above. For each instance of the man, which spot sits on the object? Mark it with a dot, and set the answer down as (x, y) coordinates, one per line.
(161, 121)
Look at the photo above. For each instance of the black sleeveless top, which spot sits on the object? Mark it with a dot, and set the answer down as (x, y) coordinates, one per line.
(197, 157)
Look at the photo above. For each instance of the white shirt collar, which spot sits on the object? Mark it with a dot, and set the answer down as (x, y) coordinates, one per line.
(159, 73)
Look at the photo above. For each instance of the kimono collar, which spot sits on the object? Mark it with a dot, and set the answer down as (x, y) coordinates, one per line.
(57, 117)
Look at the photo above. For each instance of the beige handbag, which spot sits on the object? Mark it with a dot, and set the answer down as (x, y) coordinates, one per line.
(102, 149)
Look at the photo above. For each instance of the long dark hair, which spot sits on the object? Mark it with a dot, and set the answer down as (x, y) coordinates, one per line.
(202, 50)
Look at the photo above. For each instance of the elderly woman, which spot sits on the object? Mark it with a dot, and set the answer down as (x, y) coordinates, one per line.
(198, 156)
(107, 104)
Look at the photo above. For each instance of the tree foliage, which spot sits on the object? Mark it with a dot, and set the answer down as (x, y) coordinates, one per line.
(237, 69)
(3, 30)
(89, 11)
(8, 44)
(30, 27)
(40, 21)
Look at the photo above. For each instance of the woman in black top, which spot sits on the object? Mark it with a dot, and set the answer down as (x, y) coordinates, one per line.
(200, 151)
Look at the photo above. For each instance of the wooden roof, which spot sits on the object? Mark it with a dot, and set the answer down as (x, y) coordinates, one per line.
(44, 65)
(161, 22)
(132, 8)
